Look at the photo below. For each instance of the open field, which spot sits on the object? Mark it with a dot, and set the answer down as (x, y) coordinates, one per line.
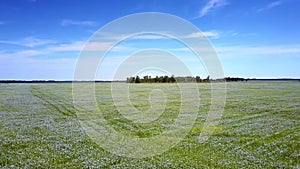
(260, 128)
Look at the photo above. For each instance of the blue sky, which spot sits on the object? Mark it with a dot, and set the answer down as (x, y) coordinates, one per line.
(42, 39)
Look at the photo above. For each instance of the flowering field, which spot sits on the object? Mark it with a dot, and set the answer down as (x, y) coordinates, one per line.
(260, 128)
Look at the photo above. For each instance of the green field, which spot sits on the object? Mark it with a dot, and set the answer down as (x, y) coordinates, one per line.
(260, 128)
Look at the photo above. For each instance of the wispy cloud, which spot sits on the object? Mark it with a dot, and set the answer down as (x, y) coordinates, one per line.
(213, 34)
(74, 46)
(150, 37)
(90, 46)
(20, 54)
(271, 5)
(211, 5)
(28, 42)
(2, 23)
(208, 34)
(250, 51)
(68, 22)
(53, 49)
(258, 51)
(274, 4)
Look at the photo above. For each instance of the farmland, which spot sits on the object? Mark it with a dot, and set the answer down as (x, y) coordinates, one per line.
(260, 128)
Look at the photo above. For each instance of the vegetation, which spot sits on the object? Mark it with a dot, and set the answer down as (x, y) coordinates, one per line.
(166, 79)
(172, 79)
(259, 129)
(234, 79)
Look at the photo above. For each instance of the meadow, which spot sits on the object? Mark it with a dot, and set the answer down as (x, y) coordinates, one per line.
(260, 128)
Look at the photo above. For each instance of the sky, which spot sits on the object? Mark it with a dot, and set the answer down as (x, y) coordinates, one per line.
(43, 39)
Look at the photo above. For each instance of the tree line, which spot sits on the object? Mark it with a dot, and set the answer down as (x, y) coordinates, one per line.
(166, 79)
(234, 79)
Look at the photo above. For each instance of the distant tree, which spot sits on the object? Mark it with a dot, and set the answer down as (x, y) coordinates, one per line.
(234, 79)
(131, 80)
(146, 79)
(160, 80)
(156, 79)
(165, 79)
(180, 79)
(137, 79)
(198, 79)
(172, 79)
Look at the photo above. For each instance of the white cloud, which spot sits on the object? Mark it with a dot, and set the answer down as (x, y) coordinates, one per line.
(208, 34)
(68, 22)
(249, 51)
(211, 5)
(117, 37)
(271, 5)
(231, 33)
(274, 4)
(30, 53)
(29, 42)
(213, 34)
(258, 51)
(75, 46)
(82, 45)
(5, 56)
(150, 37)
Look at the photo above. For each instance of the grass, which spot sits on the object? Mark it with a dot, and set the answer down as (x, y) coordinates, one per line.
(260, 128)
